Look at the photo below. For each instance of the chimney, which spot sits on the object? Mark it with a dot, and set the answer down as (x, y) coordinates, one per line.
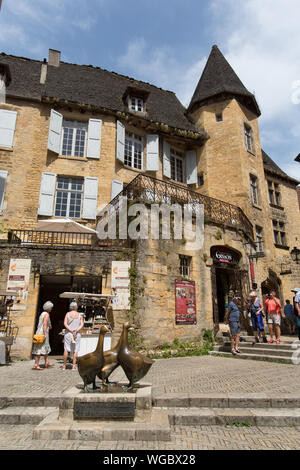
(54, 58)
(43, 72)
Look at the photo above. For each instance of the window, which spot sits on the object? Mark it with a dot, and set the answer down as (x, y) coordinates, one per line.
(248, 138)
(136, 104)
(185, 265)
(69, 195)
(274, 193)
(279, 233)
(74, 136)
(259, 240)
(177, 172)
(219, 117)
(200, 180)
(254, 189)
(133, 151)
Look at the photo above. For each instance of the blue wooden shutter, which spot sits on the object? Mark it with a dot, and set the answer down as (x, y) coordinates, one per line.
(94, 138)
(7, 127)
(152, 152)
(89, 210)
(120, 141)
(3, 178)
(116, 188)
(47, 194)
(191, 167)
(55, 131)
(167, 160)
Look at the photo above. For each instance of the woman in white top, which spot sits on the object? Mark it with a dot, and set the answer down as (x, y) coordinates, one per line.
(73, 324)
(43, 349)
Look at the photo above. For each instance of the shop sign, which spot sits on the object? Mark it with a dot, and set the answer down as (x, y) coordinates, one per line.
(224, 257)
(120, 284)
(185, 303)
(18, 281)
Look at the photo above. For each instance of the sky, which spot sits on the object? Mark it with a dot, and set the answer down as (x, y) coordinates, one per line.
(167, 43)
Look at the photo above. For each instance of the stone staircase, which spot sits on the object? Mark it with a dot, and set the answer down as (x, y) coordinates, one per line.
(238, 409)
(288, 351)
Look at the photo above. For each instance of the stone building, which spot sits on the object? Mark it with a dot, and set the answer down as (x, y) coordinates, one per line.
(74, 138)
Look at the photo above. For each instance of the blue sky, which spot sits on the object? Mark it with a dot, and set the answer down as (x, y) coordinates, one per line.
(167, 43)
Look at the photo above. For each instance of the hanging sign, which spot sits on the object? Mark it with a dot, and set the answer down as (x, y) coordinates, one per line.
(120, 283)
(18, 281)
(185, 303)
(224, 257)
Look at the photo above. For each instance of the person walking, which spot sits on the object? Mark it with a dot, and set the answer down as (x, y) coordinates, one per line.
(232, 317)
(43, 349)
(273, 308)
(73, 324)
(297, 309)
(289, 316)
(256, 311)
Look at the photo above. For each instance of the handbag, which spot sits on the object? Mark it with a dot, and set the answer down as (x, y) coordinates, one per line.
(38, 339)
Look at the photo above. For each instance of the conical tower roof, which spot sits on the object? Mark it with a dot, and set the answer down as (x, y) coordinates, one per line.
(219, 79)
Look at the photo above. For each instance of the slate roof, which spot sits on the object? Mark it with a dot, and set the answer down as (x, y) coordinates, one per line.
(218, 77)
(93, 86)
(270, 165)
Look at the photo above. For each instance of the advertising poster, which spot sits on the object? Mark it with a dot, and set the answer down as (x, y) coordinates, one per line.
(120, 284)
(18, 281)
(185, 303)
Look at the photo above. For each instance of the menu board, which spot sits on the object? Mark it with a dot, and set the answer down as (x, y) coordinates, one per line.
(120, 283)
(185, 302)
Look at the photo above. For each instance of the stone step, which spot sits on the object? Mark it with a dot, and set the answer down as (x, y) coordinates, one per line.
(157, 429)
(265, 346)
(227, 400)
(268, 351)
(258, 357)
(24, 415)
(237, 416)
(50, 401)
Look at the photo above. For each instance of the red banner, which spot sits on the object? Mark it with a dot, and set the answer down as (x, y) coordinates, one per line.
(185, 303)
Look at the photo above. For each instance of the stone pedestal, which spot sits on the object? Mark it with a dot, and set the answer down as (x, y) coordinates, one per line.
(106, 416)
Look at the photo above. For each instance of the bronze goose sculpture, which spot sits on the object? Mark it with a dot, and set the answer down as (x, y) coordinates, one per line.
(89, 365)
(133, 363)
(110, 363)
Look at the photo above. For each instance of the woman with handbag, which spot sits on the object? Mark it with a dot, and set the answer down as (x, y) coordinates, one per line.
(41, 345)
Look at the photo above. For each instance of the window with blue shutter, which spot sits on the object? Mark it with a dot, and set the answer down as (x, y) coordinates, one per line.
(90, 197)
(152, 152)
(7, 127)
(55, 131)
(47, 194)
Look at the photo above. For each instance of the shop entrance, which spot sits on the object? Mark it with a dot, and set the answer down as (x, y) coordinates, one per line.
(226, 288)
(50, 289)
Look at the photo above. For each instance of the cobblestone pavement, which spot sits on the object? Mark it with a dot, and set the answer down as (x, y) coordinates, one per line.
(203, 374)
(183, 438)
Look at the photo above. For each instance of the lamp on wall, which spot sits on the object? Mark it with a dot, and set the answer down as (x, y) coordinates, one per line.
(295, 255)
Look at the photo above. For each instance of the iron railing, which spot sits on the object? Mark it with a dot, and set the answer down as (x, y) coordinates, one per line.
(48, 238)
(146, 189)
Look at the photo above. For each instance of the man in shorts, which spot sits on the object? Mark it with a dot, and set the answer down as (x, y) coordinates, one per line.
(273, 308)
(232, 317)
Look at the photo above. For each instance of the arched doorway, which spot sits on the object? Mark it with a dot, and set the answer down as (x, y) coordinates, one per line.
(228, 279)
(271, 283)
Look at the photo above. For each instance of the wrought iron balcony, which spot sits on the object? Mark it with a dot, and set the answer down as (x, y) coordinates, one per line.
(148, 190)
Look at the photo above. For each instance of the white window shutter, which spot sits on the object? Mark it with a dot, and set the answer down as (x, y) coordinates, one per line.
(55, 131)
(191, 167)
(89, 210)
(47, 194)
(152, 152)
(94, 138)
(120, 141)
(7, 127)
(3, 178)
(167, 160)
(116, 188)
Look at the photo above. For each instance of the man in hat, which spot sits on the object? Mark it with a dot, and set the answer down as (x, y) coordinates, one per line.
(232, 317)
(256, 310)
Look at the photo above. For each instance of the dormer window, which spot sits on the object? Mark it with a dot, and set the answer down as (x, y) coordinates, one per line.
(136, 104)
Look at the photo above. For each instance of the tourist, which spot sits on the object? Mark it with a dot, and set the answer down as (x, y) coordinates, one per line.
(43, 349)
(273, 307)
(297, 309)
(232, 317)
(256, 310)
(289, 316)
(73, 324)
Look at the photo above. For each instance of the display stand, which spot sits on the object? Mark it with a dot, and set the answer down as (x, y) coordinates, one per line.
(8, 329)
(94, 308)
